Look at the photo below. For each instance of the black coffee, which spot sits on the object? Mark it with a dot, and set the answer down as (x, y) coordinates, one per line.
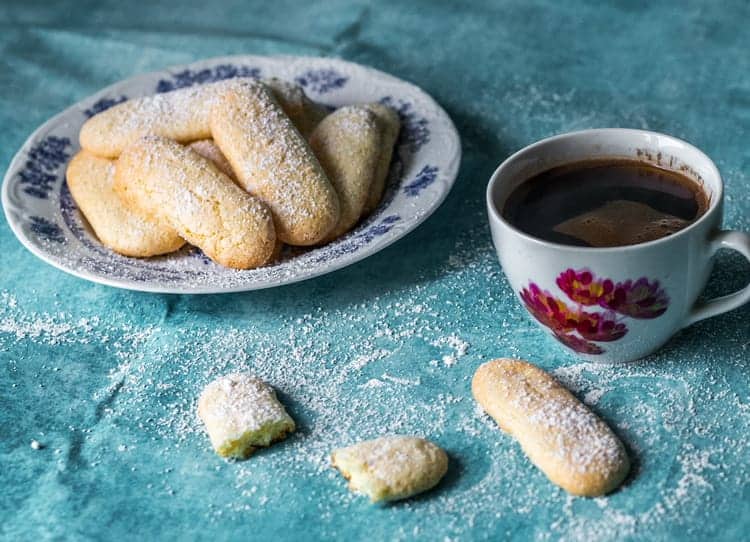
(605, 203)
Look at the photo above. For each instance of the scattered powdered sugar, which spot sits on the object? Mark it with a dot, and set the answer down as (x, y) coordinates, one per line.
(401, 381)
(8, 300)
(351, 370)
(363, 359)
(373, 383)
(458, 346)
(44, 327)
(592, 396)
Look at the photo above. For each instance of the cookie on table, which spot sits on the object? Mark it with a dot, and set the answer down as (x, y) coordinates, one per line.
(392, 467)
(273, 162)
(241, 413)
(126, 231)
(348, 145)
(178, 186)
(560, 435)
(389, 125)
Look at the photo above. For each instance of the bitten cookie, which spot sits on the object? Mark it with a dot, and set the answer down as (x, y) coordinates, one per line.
(274, 163)
(560, 435)
(389, 125)
(241, 413)
(178, 186)
(210, 151)
(128, 232)
(348, 145)
(392, 467)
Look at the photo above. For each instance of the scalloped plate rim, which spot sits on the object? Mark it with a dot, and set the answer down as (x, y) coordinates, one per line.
(449, 173)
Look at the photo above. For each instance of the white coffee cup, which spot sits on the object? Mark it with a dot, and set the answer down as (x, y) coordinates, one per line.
(621, 303)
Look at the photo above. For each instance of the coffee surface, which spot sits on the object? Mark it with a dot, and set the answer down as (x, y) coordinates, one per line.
(605, 203)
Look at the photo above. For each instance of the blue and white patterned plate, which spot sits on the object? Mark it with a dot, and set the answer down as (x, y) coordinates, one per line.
(45, 219)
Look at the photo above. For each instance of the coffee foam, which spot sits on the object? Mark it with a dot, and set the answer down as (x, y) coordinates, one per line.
(621, 222)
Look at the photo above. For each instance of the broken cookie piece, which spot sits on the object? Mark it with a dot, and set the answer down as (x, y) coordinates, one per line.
(392, 467)
(242, 413)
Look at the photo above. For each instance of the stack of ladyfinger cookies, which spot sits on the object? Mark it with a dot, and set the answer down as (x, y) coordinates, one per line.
(237, 168)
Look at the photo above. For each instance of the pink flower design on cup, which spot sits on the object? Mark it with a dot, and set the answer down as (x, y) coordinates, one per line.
(549, 310)
(639, 299)
(579, 345)
(581, 287)
(580, 329)
(600, 326)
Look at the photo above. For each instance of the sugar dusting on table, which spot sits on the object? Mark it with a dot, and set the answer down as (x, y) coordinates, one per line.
(398, 364)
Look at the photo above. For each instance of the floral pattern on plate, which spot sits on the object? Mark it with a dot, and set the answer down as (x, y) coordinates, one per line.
(46, 220)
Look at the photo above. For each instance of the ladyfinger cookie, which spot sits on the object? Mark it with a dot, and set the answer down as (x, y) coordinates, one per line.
(181, 115)
(303, 112)
(389, 125)
(391, 467)
(348, 145)
(210, 151)
(180, 187)
(274, 163)
(560, 435)
(128, 232)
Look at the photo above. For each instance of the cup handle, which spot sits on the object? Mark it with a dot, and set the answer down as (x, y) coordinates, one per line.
(736, 240)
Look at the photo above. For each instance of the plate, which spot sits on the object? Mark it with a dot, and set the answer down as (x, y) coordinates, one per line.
(44, 217)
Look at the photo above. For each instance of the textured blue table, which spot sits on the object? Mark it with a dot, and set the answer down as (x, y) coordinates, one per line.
(106, 380)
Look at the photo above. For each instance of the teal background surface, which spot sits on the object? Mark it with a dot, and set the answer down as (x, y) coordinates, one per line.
(106, 380)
